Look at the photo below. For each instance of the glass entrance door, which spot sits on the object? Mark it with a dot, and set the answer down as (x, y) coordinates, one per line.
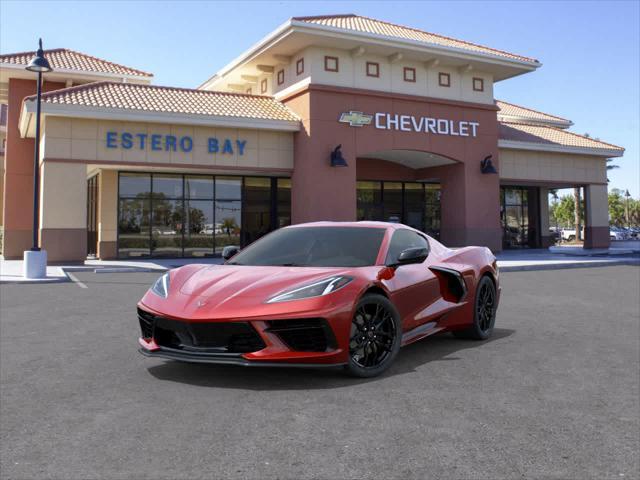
(519, 217)
(92, 216)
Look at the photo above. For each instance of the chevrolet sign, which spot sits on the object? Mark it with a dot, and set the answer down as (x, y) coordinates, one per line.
(410, 123)
(355, 119)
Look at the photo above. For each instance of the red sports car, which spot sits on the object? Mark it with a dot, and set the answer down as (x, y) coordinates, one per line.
(321, 294)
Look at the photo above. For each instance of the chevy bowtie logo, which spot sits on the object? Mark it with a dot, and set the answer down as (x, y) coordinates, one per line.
(355, 119)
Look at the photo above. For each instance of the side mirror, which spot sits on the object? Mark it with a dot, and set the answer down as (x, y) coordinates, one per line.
(229, 251)
(412, 255)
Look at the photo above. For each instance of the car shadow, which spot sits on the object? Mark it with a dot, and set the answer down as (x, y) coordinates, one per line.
(432, 349)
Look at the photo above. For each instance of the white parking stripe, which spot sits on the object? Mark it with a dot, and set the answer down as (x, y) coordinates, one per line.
(75, 280)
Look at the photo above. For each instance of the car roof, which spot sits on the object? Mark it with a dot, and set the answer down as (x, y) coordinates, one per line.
(366, 224)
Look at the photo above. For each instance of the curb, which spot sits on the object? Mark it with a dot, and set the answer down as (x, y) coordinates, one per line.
(567, 266)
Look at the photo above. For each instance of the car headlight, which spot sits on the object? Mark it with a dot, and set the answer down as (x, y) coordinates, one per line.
(161, 286)
(316, 289)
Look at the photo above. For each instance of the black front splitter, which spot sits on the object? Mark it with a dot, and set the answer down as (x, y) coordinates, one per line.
(225, 359)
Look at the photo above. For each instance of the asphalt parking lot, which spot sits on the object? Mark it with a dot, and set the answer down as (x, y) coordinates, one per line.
(554, 394)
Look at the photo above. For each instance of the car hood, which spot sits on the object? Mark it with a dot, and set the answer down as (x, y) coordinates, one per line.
(225, 282)
(224, 292)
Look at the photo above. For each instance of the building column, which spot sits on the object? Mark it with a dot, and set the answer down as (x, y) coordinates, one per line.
(596, 216)
(318, 190)
(470, 206)
(107, 214)
(63, 211)
(546, 240)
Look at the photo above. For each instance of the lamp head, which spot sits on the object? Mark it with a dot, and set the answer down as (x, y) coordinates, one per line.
(39, 62)
(337, 160)
(486, 166)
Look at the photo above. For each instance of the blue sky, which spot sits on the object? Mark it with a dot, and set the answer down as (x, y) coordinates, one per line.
(589, 50)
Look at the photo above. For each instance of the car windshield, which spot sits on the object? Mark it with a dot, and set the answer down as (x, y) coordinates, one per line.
(314, 247)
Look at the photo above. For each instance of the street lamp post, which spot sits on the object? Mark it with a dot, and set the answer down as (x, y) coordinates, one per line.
(555, 204)
(626, 208)
(35, 260)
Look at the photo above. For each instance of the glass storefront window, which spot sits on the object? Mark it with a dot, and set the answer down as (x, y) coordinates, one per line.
(133, 227)
(228, 212)
(171, 215)
(256, 217)
(369, 196)
(519, 219)
(392, 202)
(412, 203)
(198, 188)
(228, 220)
(432, 210)
(135, 185)
(167, 186)
(199, 228)
(166, 226)
(283, 205)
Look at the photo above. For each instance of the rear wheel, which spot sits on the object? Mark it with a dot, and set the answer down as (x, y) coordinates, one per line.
(375, 336)
(485, 307)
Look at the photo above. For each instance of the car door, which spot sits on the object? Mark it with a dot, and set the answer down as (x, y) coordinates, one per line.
(413, 287)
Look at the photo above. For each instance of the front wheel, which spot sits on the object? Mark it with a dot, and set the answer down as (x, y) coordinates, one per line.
(375, 336)
(484, 313)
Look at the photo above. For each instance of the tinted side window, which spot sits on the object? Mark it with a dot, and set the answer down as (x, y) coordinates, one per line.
(403, 239)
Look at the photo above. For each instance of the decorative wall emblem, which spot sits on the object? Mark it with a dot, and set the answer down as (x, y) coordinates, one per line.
(356, 119)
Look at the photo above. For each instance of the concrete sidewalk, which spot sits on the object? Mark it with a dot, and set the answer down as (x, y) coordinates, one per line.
(508, 261)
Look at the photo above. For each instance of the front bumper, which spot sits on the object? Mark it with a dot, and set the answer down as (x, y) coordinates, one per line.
(222, 358)
(299, 342)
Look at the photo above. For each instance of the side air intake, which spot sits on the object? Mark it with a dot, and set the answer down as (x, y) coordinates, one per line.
(452, 285)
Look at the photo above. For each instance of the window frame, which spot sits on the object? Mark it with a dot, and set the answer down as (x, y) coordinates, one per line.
(327, 59)
(263, 85)
(377, 67)
(480, 82)
(407, 70)
(280, 76)
(300, 66)
(441, 79)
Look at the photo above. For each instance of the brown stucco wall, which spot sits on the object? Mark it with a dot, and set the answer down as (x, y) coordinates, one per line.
(18, 178)
(470, 200)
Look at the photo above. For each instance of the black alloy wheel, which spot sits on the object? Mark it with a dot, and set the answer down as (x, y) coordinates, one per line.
(485, 308)
(375, 336)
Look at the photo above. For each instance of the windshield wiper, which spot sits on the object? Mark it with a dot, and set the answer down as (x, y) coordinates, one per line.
(292, 264)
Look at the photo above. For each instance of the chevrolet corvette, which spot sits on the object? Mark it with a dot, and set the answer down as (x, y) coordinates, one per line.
(347, 294)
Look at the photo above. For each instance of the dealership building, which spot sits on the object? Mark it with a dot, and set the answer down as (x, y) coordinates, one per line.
(337, 117)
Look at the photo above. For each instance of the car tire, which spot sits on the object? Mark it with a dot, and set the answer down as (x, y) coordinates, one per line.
(375, 336)
(484, 312)
(571, 238)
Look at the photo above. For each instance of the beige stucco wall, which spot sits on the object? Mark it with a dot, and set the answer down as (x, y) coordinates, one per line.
(552, 167)
(352, 73)
(108, 206)
(63, 196)
(85, 140)
(597, 206)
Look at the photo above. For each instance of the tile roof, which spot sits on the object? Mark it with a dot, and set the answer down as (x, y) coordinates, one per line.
(370, 25)
(65, 59)
(544, 135)
(512, 110)
(152, 98)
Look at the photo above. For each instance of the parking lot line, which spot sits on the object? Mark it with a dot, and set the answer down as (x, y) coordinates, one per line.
(75, 280)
